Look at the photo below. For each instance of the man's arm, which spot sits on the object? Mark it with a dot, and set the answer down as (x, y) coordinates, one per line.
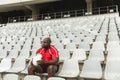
(51, 62)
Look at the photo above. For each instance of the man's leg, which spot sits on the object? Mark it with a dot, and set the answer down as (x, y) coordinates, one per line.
(32, 69)
(51, 70)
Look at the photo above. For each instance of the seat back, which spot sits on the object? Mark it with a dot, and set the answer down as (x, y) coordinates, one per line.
(32, 77)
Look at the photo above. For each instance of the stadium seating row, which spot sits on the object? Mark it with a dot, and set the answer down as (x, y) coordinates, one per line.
(89, 47)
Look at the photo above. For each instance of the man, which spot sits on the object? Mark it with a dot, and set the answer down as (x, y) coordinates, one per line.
(49, 61)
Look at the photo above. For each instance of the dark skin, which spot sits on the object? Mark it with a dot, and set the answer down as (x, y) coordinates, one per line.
(52, 63)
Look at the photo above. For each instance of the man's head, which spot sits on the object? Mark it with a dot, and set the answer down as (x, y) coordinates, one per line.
(46, 42)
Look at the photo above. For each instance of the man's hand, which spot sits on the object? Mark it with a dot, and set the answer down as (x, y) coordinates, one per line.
(31, 62)
(40, 62)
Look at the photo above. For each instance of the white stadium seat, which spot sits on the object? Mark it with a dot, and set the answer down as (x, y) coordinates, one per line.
(55, 78)
(79, 54)
(88, 47)
(32, 77)
(112, 71)
(70, 69)
(18, 65)
(11, 77)
(5, 64)
(91, 69)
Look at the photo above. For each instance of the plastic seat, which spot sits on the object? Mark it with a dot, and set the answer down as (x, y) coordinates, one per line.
(113, 54)
(8, 47)
(112, 44)
(70, 69)
(13, 54)
(55, 78)
(27, 44)
(35, 46)
(101, 38)
(71, 46)
(24, 53)
(17, 47)
(65, 41)
(79, 54)
(96, 54)
(33, 52)
(90, 70)
(64, 54)
(1, 47)
(113, 37)
(59, 45)
(5, 64)
(3, 39)
(3, 53)
(32, 77)
(25, 71)
(18, 65)
(98, 45)
(11, 77)
(88, 39)
(76, 40)
(85, 46)
(112, 71)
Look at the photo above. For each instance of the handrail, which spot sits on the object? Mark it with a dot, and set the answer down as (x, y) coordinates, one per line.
(64, 14)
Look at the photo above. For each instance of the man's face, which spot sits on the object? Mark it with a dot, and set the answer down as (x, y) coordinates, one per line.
(45, 43)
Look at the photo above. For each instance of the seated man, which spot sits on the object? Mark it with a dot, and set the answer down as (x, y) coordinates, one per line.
(49, 62)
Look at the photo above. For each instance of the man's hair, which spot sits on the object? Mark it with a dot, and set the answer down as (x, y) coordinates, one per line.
(48, 38)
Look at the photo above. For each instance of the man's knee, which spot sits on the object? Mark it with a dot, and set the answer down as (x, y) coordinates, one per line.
(52, 68)
(30, 70)
(30, 67)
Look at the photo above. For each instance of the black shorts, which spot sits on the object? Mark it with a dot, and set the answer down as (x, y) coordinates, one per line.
(44, 67)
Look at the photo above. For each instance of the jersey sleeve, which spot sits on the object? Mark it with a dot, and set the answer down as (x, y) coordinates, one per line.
(54, 53)
(38, 50)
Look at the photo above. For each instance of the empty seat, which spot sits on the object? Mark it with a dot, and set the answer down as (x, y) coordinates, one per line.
(55, 78)
(13, 54)
(101, 37)
(98, 45)
(11, 77)
(17, 47)
(3, 39)
(84, 45)
(25, 71)
(27, 45)
(71, 46)
(64, 54)
(91, 69)
(113, 37)
(7, 47)
(36, 46)
(112, 44)
(96, 54)
(1, 47)
(3, 53)
(79, 54)
(65, 41)
(18, 65)
(33, 53)
(32, 77)
(112, 71)
(24, 53)
(113, 54)
(5, 64)
(59, 45)
(88, 39)
(70, 69)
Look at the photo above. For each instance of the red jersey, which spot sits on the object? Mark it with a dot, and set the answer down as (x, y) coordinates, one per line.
(48, 54)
